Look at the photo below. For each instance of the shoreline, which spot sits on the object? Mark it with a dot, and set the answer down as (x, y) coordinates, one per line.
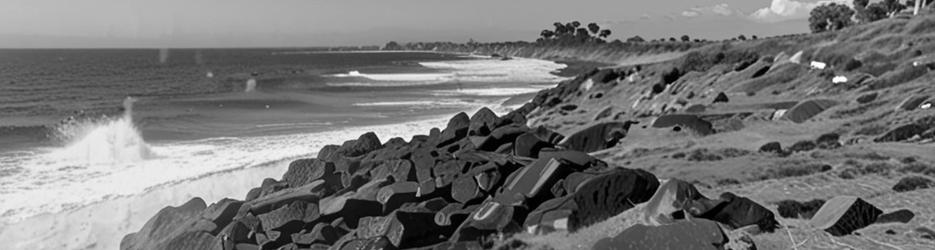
(42, 227)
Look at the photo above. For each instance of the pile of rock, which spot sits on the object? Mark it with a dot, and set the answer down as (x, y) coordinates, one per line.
(481, 177)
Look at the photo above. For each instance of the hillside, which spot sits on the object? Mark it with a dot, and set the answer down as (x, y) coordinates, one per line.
(879, 117)
(818, 141)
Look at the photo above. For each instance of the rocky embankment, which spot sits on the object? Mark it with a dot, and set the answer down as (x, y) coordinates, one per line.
(819, 141)
(478, 180)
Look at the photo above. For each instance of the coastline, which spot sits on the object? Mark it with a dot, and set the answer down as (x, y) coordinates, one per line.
(95, 231)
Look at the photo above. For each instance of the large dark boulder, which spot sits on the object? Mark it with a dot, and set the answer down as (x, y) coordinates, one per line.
(399, 170)
(737, 212)
(483, 122)
(364, 144)
(910, 183)
(828, 141)
(771, 147)
(169, 223)
(845, 214)
(296, 213)
(529, 145)
(802, 146)
(674, 200)
(304, 171)
(501, 135)
(898, 216)
(529, 185)
(901, 133)
(694, 234)
(597, 137)
(221, 213)
(594, 199)
(721, 97)
(457, 128)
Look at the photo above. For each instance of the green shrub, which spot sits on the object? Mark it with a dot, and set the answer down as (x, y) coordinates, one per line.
(919, 168)
(702, 154)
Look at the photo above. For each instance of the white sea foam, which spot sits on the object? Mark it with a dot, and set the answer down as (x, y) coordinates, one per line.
(400, 77)
(495, 70)
(491, 91)
(423, 104)
(518, 70)
(383, 84)
(64, 183)
(109, 141)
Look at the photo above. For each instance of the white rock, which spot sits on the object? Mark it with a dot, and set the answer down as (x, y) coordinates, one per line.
(586, 85)
(818, 65)
(778, 114)
(796, 58)
(839, 79)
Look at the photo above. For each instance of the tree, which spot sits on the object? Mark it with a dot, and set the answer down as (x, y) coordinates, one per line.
(636, 39)
(742, 37)
(685, 38)
(672, 39)
(594, 28)
(582, 35)
(547, 34)
(604, 34)
(830, 16)
(559, 29)
(872, 13)
(860, 4)
(754, 37)
(392, 45)
(892, 7)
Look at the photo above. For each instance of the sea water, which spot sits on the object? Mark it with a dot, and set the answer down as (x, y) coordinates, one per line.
(124, 133)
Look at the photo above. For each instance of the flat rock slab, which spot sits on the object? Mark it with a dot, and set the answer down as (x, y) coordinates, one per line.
(694, 234)
(396, 194)
(304, 171)
(295, 211)
(530, 180)
(309, 193)
(843, 215)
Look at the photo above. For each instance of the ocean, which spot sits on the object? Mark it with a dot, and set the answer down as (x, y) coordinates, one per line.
(94, 142)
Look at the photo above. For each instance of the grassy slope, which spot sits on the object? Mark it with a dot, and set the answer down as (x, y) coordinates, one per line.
(887, 50)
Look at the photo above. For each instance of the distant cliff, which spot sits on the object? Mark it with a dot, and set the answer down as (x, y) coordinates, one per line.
(611, 53)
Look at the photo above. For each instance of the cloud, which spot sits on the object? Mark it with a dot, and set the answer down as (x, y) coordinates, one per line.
(781, 10)
(721, 9)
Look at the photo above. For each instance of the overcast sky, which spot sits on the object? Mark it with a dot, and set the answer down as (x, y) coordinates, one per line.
(252, 23)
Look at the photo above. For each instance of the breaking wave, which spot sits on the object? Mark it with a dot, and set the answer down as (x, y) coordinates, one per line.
(106, 141)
